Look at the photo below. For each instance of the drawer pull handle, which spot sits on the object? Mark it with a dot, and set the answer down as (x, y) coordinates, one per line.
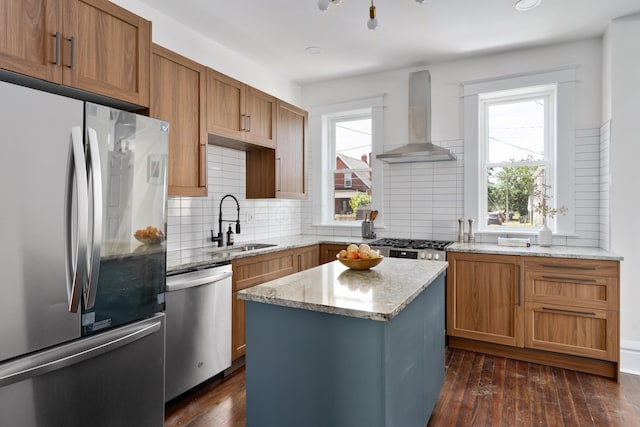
(569, 267)
(519, 285)
(580, 313)
(569, 279)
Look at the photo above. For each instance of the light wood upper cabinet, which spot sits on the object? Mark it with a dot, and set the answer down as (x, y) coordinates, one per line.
(290, 170)
(178, 97)
(28, 42)
(93, 45)
(484, 300)
(238, 114)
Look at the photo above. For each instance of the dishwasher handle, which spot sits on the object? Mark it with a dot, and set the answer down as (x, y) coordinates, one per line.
(184, 282)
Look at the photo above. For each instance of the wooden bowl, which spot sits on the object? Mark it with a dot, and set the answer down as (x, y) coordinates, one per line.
(360, 264)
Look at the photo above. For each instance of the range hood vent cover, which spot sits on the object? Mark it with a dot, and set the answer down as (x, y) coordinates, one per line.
(419, 148)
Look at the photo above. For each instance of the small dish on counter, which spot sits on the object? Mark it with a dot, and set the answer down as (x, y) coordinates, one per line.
(360, 264)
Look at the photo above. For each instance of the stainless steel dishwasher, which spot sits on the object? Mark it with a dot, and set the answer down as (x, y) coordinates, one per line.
(198, 310)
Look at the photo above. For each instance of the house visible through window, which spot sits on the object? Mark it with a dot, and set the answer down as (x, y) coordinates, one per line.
(351, 154)
(517, 137)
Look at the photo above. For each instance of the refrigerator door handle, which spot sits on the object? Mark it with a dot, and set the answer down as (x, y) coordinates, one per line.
(73, 353)
(76, 255)
(96, 179)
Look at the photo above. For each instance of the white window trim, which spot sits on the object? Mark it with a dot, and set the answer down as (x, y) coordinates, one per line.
(564, 180)
(322, 176)
(548, 93)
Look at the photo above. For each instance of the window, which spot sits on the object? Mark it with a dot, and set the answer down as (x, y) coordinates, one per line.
(346, 180)
(516, 144)
(351, 144)
(519, 147)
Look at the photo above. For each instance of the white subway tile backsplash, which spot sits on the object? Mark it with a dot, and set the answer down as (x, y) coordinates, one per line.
(421, 200)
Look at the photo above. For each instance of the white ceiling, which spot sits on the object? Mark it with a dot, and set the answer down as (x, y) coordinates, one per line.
(275, 33)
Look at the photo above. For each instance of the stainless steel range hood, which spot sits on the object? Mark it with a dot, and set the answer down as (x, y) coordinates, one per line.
(419, 148)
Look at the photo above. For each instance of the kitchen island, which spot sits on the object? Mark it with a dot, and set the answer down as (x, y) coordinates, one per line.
(331, 346)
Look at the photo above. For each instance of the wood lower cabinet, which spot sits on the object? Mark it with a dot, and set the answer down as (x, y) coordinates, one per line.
(484, 298)
(178, 97)
(93, 45)
(249, 272)
(560, 311)
(307, 257)
(290, 170)
(328, 252)
(572, 307)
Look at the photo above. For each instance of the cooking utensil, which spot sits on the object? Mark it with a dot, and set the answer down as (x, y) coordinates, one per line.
(373, 216)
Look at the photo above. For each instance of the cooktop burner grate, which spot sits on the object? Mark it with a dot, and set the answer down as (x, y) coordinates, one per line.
(412, 244)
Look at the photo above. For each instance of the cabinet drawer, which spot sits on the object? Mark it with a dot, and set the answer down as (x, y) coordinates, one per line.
(572, 266)
(254, 270)
(570, 330)
(571, 289)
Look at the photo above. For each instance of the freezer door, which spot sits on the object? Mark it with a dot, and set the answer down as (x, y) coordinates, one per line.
(35, 168)
(127, 158)
(111, 379)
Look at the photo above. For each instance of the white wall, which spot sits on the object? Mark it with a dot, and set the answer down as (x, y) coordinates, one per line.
(176, 36)
(624, 53)
(424, 200)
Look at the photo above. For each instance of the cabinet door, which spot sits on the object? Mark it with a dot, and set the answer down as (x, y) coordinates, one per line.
(28, 42)
(307, 257)
(579, 331)
(249, 272)
(106, 50)
(484, 298)
(177, 96)
(238, 329)
(329, 251)
(260, 109)
(225, 106)
(291, 131)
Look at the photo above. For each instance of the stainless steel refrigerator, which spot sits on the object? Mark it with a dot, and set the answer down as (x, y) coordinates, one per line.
(83, 193)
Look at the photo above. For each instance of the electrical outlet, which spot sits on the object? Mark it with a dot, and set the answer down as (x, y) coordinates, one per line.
(249, 218)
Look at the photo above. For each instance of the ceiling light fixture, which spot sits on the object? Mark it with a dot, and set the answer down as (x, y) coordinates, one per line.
(524, 5)
(372, 23)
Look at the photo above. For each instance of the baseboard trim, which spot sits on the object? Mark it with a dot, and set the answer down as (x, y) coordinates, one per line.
(630, 357)
(591, 366)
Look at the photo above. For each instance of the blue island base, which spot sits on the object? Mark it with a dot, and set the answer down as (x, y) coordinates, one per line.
(308, 368)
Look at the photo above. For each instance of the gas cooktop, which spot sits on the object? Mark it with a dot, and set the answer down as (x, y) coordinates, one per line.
(440, 245)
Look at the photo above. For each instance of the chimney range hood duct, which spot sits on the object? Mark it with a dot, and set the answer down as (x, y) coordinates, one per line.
(420, 148)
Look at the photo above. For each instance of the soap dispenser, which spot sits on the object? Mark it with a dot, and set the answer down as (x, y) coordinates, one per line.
(230, 236)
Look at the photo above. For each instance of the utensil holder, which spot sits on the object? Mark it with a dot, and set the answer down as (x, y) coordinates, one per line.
(367, 230)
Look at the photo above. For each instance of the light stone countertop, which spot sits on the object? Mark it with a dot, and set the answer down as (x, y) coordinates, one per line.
(377, 294)
(189, 259)
(534, 250)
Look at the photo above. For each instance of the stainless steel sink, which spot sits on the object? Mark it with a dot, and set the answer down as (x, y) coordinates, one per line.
(244, 247)
(252, 247)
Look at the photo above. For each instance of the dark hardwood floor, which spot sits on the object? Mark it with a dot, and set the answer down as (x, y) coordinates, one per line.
(479, 390)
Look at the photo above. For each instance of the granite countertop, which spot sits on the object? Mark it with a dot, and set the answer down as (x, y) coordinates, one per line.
(377, 294)
(188, 259)
(534, 250)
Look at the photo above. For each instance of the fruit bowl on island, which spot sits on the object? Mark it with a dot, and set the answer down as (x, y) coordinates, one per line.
(359, 257)
(360, 264)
